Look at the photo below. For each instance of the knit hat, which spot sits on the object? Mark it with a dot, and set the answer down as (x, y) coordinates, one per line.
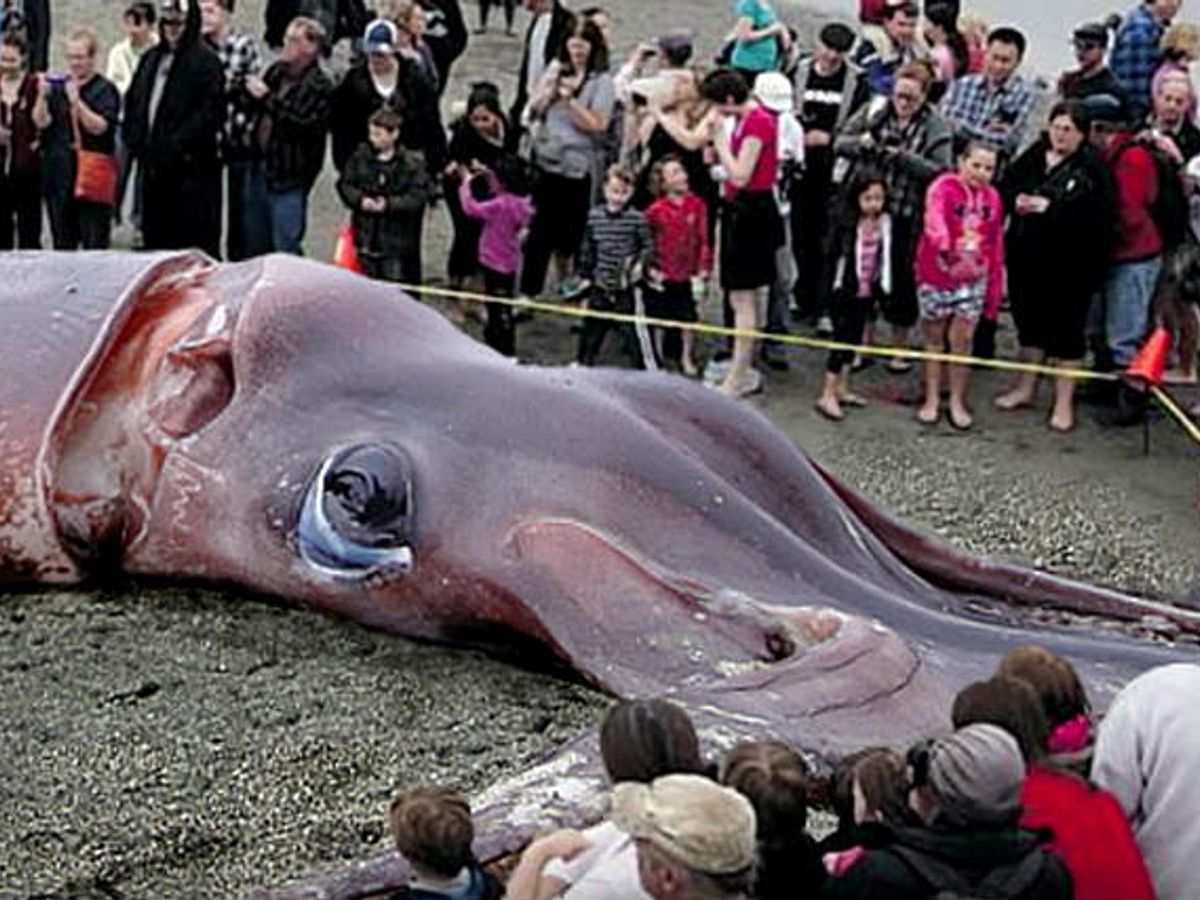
(694, 820)
(837, 37)
(976, 774)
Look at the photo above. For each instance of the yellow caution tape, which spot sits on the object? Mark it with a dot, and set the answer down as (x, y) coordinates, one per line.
(1004, 365)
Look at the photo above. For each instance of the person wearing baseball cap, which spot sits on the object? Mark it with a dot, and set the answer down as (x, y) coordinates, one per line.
(1093, 77)
(695, 839)
(966, 792)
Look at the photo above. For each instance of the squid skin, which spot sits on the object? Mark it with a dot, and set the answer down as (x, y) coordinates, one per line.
(168, 416)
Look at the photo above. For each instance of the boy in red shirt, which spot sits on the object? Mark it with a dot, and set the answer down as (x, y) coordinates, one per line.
(678, 222)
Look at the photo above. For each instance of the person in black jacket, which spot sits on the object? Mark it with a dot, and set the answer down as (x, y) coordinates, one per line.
(406, 90)
(542, 44)
(296, 97)
(967, 790)
(174, 109)
(385, 186)
(1061, 204)
(446, 35)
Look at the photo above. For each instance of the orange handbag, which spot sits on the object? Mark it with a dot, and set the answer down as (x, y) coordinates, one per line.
(96, 174)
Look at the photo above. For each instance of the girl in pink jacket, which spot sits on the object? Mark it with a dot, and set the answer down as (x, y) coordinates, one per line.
(960, 273)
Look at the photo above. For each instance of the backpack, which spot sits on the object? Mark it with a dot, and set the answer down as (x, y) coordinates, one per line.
(1170, 210)
(1007, 882)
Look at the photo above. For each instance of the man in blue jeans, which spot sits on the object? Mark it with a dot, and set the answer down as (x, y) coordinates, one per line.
(296, 101)
(1122, 317)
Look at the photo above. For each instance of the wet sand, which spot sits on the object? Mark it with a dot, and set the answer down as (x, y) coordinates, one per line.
(178, 742)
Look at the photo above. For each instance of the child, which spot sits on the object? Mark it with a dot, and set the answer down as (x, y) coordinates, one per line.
(433, 831)
(862, 278)
(960, 273)
(678, 222)
(615, 240)
(386, 187)
(505, 214)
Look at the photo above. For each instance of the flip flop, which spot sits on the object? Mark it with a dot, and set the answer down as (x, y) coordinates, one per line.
(929, 423)
(1057, 430)
(828, 413)
(853, 400)
(959, 424)
(899, 366)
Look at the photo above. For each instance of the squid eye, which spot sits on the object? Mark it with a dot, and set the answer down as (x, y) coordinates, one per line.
(357, 516)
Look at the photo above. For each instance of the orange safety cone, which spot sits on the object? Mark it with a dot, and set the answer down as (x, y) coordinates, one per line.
(344, 254)
(1146, 370)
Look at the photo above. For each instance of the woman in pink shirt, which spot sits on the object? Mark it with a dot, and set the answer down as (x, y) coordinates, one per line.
(960, 273)
(751, 229)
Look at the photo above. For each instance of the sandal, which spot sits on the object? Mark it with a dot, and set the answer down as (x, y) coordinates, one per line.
(928, 421)
(853, 400)
(898, 365)
(960, 424)
(829, 412)
(753, 384)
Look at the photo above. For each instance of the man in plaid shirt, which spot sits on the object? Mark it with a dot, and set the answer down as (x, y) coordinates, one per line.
(248, 232)
(1136, 55)
(994, 106)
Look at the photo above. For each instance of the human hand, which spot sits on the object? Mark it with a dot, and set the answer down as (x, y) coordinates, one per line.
(43, 85)
(867, 141)
(817, 138)
(256, 87)
(964, 269)
(72, 91)
(1031, 203)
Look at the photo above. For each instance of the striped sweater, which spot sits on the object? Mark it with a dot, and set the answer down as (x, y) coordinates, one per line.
(613, 243)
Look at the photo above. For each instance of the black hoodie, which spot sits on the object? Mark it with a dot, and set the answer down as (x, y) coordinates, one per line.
(900, 863)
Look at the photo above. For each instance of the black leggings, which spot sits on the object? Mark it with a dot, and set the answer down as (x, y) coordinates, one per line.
(485, 6)
(499, 332)
(560, 213)
(850, 315)
(21, 202)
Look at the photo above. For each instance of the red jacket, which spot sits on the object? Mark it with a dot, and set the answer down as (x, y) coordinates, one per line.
(1091, 835)
(1136, 175)
(680, 233)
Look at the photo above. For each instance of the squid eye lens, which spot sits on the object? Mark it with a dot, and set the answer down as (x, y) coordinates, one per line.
(367, 495)
(357, 513)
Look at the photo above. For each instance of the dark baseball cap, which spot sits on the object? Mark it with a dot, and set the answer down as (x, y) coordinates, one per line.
(1106, 109)
(837, 37)
(1091, 33)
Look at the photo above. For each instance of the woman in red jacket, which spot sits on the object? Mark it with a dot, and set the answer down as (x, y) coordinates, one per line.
(1091, 833)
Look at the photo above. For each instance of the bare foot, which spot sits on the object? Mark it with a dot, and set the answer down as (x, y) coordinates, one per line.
(751, 383)
(829, 407)
(1011, 400)
(689, 368)
(852, 399)
(1062, 422)
(929, 414)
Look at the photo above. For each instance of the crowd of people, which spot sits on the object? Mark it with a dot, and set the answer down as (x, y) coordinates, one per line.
(898, 169)
(1026, 796)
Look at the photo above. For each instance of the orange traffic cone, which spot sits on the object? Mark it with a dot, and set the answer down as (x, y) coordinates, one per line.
(344, 254)
(1148, 366)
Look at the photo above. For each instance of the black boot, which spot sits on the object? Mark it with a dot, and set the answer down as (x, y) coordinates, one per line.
(1129, 409)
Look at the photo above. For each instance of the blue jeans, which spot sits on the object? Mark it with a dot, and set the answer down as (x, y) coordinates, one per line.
(1124, 314)
(289, 215)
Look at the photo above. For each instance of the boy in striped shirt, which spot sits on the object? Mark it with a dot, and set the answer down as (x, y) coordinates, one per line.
(615, 242)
